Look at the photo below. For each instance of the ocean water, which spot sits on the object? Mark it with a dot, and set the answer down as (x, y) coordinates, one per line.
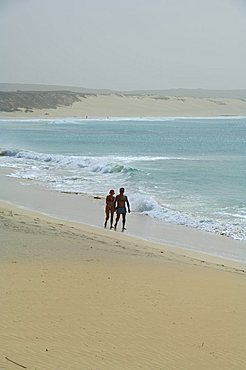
(188, 171)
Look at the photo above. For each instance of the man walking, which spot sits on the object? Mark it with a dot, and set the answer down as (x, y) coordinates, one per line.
(121, 201)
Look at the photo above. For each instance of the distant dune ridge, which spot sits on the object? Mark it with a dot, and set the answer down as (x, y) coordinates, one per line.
(13, 101)
(195, 93)
(25, 100)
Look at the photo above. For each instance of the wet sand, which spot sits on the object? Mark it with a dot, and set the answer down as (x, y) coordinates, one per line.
(90, 211)
(76, 297)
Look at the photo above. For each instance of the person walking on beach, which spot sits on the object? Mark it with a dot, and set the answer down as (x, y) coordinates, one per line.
(121, 201)
(109, 209)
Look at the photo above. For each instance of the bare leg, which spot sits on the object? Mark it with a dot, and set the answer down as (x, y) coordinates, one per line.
(106, 219)
(111, 220)
(116, 221)
(123, 222)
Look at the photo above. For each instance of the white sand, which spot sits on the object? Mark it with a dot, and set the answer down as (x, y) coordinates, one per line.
(140, 106)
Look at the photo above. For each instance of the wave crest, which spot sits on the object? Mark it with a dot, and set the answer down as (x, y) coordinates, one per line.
(101, 165)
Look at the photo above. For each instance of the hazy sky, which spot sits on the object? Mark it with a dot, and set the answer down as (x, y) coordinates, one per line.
(124, 44)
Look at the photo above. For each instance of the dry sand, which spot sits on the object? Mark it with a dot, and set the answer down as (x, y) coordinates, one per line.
(117, 105)
(74, 298)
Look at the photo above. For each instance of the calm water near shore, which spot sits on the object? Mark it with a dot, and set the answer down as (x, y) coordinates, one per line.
(189, 171)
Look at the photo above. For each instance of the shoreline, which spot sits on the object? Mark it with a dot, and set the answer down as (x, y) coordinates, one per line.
(90, 211)
(145, 247)
(77, 296)
(73, 295)
(150, 245)
(75, 119)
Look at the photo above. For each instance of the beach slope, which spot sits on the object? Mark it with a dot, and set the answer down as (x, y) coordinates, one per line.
(75, 297)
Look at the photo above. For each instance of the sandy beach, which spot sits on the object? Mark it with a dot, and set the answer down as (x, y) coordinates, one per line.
(76, 297)
(117, 105)
(147, 103)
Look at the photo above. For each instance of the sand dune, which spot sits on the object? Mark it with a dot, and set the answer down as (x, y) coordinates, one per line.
(58, 105)
(75, 297)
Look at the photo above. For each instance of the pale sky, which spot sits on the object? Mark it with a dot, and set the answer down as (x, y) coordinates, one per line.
(124, 44)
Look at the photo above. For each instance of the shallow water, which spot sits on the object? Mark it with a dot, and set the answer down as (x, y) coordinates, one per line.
(184, 171)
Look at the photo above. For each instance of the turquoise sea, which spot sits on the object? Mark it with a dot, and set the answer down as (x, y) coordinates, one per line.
(189, 171)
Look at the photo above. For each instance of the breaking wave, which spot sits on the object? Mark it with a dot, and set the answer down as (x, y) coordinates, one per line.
(147, 205)
(92, 164)
(95, 175)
